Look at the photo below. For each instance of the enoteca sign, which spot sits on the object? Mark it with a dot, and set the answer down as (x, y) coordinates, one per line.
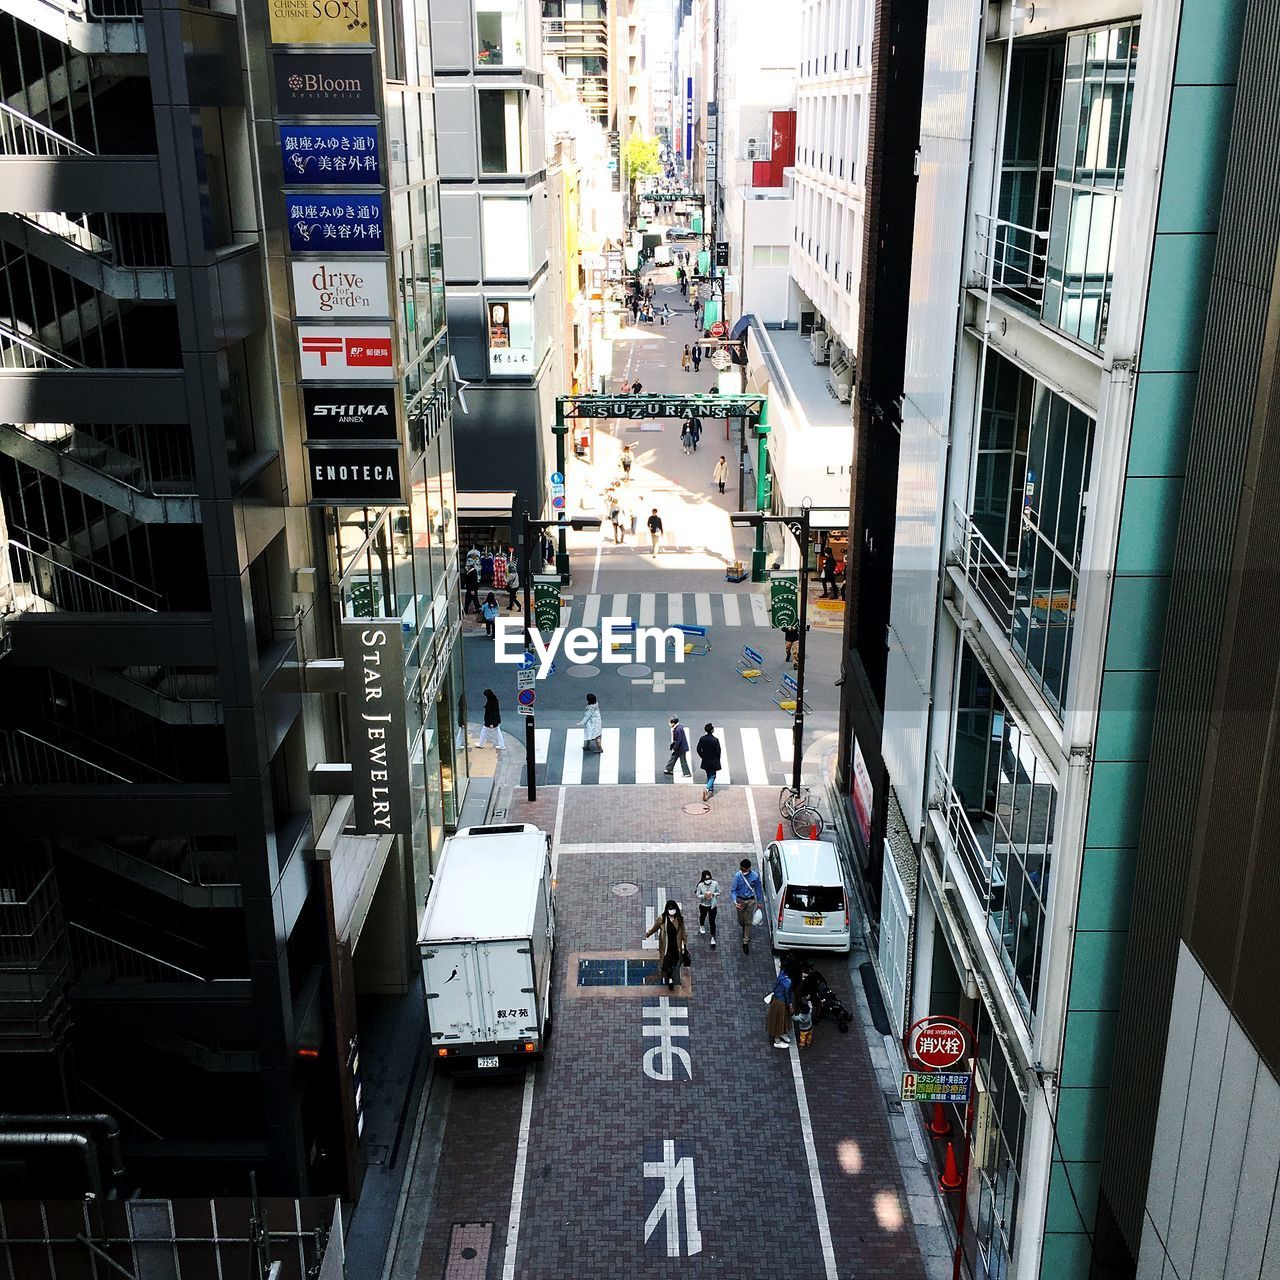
(373, 662)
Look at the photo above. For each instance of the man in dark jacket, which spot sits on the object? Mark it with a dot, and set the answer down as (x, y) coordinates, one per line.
(471, 590)
(709, 758)
(695, 428)
(679, 749)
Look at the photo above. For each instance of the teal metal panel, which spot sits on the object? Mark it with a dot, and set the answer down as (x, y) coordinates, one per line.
(1163, 405)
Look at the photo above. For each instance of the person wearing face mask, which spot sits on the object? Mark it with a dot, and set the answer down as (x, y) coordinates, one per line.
(708, 894)
(673, 944)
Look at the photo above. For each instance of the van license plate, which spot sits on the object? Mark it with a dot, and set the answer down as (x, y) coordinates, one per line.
(486, 1062)
(813, 920)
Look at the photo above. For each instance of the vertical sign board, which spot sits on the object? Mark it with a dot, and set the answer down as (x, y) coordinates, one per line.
(373, 671)
(330, 155)
(784, 601)
(688, 123)
(324, 84)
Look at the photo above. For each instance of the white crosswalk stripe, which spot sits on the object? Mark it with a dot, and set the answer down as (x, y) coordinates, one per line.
(571, 769)
(618, 609)
(609, 758)
(675, 608)
(702, 609)
(639, 753)
(645, 759)
(753, 758)
(648, 608)
(591, 612)
(759, 611)
(731, 616)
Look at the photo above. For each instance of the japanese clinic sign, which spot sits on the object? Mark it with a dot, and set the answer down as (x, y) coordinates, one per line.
(321, 223)
(330, 155)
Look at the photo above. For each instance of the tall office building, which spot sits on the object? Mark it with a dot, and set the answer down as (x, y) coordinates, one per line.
(489, 111)
(1070, 173)
(225, 450)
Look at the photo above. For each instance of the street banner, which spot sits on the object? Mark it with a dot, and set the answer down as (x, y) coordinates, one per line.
(546, 602)
(784, 602)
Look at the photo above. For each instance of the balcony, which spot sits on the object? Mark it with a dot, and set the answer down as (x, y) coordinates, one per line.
(1010, 260)
(575, 37)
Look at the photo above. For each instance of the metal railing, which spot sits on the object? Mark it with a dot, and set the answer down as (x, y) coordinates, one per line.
(1010, 259)
(149, 461)
(965, 843)
(94, 955)
(181, 859)
(18, 351)
(26, 759)
(993, 579)
(125, 240)
(61, 587)
(20, 135)
(177, 684)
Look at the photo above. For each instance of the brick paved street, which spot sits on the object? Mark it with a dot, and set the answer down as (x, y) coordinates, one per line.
(598, 1119)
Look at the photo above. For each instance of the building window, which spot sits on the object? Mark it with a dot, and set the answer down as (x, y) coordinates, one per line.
(1008, 798)
(502, 131)
(505, 237)
(770, 255)
(509, 325)
(500, 33)
(1022, 552)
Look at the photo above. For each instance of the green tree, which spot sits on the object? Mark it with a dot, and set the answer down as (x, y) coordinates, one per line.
(641, 159)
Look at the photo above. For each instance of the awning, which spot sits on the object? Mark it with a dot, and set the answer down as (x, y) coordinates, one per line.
(740, 326)
(485, 506)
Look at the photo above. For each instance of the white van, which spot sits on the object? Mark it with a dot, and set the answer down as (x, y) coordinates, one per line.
(486, 942)
(805, 900)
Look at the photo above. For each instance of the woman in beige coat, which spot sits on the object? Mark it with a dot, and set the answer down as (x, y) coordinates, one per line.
(672, 942)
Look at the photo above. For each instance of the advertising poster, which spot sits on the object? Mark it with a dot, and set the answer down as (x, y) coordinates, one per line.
(329, 155)
(321, 224)
(319, 22)
(510, 326)
(340, 287)
(863, 794)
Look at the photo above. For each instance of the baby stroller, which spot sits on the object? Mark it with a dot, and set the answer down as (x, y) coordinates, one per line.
(824, 1001)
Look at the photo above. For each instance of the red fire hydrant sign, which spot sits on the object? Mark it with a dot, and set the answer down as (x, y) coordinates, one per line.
(936, 1043)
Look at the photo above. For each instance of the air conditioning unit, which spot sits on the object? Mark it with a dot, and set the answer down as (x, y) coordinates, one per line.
(819, 347)
(754, 150)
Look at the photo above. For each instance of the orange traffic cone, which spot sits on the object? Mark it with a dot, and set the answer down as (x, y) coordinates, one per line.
(950, 1180)
(813, 832)
(779, 835)
(939, 1126)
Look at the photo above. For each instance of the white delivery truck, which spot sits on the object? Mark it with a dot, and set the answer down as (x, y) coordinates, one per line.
(486, 941)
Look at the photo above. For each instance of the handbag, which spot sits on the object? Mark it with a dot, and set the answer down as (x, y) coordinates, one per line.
(686, 959)
(758, 917)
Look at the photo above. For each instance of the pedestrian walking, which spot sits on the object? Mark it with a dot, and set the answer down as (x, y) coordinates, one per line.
(666, 312)
(707, 891)
(697, 357)
(626, 386)
(686, 437)
(633, 518)
(829, 574)
(719, 472)
(628, 457)
(635, 308)
(471, 587)
(709, 758)
(548, 550)
(637, 388)
(686, 360)
(513, 585)
(592, 726)
(492, 726)
(747, 895)
(679, 749)
(615, 518)
(695, 430)
(489, 612)
(777, 1022)
(673, 942)
(790, 638)
(655, 529)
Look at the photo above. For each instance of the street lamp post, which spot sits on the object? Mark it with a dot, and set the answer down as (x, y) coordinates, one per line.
(526, 537)
(799, 527)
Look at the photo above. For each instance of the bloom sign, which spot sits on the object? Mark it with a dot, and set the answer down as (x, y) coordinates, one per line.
(937, 1043)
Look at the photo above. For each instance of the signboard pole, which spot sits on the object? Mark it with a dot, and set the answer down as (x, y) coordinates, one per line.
(560, 430)
(964, 1168)
(762, 483)
(526, 570)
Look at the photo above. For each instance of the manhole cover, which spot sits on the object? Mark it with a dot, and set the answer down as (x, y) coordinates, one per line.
(634, 670)
(625, 890)
(695, 807)
(586, 672)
